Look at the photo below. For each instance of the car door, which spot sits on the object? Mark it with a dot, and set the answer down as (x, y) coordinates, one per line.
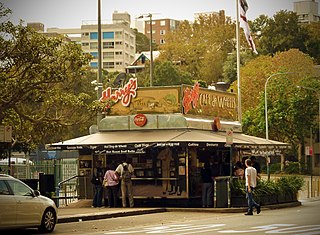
(8, 206)
(28, 206)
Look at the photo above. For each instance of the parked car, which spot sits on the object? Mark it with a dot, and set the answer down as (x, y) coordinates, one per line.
(23, 207)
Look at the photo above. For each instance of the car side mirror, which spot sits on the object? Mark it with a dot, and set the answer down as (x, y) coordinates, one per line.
(36, 193)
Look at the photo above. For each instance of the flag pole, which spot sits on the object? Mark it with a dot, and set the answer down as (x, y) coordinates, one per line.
(238, 62)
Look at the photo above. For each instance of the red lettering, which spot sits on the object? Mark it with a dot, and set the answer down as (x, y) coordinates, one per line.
(190, 96)
(124, 94)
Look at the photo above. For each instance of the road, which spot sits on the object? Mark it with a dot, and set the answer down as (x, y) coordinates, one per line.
(298, 220)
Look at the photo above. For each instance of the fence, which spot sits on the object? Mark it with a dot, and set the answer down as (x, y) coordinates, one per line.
(62, 169)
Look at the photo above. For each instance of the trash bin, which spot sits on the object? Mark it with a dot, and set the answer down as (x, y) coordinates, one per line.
(221, 192)
(46, 184)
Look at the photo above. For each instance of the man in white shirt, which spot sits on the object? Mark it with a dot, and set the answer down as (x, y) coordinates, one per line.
(251, 183)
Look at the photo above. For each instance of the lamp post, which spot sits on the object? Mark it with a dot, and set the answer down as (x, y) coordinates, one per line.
(99, 79)
(265, 100)
(151, 50)
(266, 115)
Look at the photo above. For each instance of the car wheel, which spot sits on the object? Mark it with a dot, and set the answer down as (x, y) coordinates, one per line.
(48, 221)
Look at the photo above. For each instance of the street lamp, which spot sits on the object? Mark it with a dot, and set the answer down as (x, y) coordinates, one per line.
(265, 100)
(151, 50)
(266, 115)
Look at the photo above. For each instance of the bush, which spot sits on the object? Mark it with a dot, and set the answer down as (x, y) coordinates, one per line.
(290, 184)
(284, 185)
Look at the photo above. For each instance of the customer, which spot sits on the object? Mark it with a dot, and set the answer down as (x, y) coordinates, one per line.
(207, 185)
(111, 190)
(125, 171)
(96, 180)
(251, 183)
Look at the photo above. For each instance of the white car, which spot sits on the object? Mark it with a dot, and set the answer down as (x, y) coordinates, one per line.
(23, 207)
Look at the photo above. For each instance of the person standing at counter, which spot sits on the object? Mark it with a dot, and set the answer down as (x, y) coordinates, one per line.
(126, 171)
(207, 185)
(97, 180)
(111, 190)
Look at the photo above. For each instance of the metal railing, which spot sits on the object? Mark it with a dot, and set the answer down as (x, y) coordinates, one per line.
(67, 191)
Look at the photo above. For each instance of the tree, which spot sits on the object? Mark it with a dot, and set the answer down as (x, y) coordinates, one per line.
(230, 65)
(280, 33)
(167, 74)
(202, 47)
(291, 112)
(312, 42)
(44, 91)
(143, 42)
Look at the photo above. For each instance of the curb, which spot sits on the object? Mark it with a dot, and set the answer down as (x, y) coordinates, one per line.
(97, 216)
(106, 215)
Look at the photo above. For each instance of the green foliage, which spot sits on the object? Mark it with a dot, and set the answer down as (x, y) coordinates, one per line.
(201, 48)
(167, 74)
(143, 42)
(280, 33)
(290, 184)
(312, 42)
(45, 91)
(238, 187)
(291, 112)
(285, 184)
(230, 65)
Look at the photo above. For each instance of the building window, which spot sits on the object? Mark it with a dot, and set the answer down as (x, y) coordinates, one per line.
(93, 45)
(93, 35)
(108, 45)
(118, 43)
(162, 32)
(94, 54)
(85, 34)
(85, 44)
(162, 41)
(108, 65)
(118, 52)
(162, 22)
(118, 63)
(94, 64)
(108, 35)
(118, 34)
(108, 55)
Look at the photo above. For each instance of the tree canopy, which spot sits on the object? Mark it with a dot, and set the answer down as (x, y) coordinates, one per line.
(45, 94)
(201, 48)
(291, 112)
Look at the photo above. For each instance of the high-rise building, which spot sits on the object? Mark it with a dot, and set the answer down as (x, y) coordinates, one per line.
(118, 41)
(160, 28)
(307, 11)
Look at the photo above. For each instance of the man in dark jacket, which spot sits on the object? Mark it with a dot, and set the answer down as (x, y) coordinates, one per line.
(207, 185)
(97, 180)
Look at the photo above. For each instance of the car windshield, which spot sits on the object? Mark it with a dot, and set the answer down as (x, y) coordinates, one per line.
(19, 188)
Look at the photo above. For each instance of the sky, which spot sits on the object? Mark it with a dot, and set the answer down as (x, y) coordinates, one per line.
(72, 13)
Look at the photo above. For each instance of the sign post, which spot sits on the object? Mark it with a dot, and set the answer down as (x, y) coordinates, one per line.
(229, 141)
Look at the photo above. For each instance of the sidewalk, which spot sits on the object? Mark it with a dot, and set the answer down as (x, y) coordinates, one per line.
(81, 211)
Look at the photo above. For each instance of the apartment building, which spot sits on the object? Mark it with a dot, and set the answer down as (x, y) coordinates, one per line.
(307, 11)
(160, 28)
(118, 41)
